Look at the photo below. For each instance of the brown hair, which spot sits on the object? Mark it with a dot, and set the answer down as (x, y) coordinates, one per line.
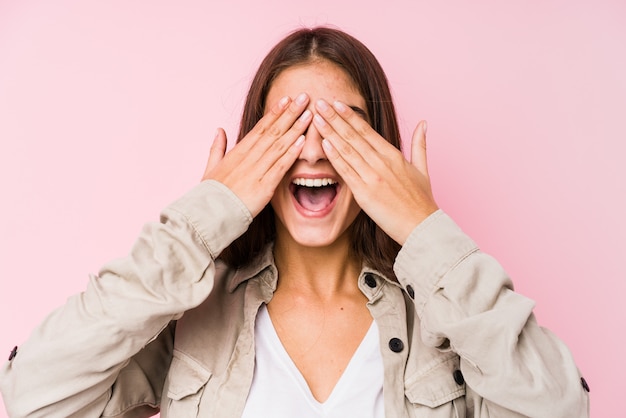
(373, 246)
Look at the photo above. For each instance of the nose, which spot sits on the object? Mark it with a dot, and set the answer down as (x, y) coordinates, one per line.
(312, 151)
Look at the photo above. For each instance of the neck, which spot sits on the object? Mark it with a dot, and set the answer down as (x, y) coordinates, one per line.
(324, 271)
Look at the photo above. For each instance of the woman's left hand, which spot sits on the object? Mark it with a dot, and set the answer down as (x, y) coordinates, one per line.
(394, 192)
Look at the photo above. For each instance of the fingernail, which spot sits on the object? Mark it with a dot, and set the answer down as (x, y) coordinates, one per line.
(301, 99)
(283, 102)
(217, 132)
(319, 120)
(305, 116)
(299, 141)
(425, 127)
(340, 107)
(327, 146)
(322, 105)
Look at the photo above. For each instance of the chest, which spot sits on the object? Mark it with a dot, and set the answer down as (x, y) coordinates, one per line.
(280, 387)
(214, 360)
(319, 338)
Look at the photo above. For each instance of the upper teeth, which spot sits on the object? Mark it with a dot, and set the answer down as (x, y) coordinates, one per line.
(313, 182)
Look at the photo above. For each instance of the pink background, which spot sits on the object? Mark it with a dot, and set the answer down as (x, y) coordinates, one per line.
(107, 110)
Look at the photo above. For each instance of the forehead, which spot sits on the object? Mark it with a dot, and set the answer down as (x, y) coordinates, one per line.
(320, 80)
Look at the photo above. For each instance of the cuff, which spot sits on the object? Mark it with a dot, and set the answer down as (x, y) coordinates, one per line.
(432, 249)
(216, 214)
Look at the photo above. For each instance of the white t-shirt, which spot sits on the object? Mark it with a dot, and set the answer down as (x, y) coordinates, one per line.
(280, 391)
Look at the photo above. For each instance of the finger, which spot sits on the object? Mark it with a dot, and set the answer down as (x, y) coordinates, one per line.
(267, 156)
(218, 149)
(354, 127)
(345, 125)
(360, 145)
(341, 148)
(276, 110)
(271, 116)
(279, 119)
(285, 121)
(418, 148)
(277, 171)
(275, 132)
(364, 160)
(345, 170)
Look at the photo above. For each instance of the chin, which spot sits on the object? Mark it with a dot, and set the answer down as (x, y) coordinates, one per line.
(314, 240)
(314, 236)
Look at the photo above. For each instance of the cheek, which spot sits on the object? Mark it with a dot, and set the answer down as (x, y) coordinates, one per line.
(281, 198)
(277, 202)
(353, 210)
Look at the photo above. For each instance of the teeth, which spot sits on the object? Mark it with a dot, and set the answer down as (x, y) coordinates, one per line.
(313, 182)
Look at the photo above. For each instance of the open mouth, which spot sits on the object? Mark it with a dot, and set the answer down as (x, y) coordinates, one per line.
(314, 195)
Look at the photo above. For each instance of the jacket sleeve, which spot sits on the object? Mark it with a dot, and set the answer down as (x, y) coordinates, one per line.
(466, 303)
(72, 363)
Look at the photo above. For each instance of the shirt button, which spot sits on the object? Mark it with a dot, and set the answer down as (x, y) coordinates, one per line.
(370, 280)
(458, 377)
(13, 353)
(396, 345)
(584, 383)
(410, 291)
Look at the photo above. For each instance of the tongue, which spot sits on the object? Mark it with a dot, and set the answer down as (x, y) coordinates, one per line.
(315, 198)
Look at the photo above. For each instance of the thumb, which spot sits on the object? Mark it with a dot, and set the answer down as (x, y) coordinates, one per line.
(418, 148)
(218, 149)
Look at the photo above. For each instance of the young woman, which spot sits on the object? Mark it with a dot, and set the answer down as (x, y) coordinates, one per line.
(309, 274)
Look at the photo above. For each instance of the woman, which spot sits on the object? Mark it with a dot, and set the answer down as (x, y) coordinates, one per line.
(309, 274)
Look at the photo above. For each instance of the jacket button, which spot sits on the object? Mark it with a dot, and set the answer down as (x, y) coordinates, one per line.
(13, 353)
(410, 291)
(585, 385)
(396, 345)
(370, 280)
(458, 377)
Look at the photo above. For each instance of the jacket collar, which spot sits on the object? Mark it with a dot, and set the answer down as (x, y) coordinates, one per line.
(264, 263)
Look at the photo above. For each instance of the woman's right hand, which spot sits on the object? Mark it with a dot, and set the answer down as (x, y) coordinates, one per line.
(253, 168)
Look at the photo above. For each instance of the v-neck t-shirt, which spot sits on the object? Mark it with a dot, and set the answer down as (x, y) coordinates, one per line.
(279, 390)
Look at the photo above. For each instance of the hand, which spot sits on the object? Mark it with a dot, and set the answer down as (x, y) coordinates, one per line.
(395, 193)
(255, 166)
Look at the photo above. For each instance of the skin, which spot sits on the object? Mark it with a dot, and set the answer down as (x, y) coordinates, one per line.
(318, 311)
(377, 172)
(319, 80)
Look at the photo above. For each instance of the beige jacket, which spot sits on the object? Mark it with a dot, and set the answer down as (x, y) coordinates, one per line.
(456, 341)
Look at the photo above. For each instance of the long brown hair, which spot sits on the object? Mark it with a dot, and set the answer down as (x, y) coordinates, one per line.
(373, 246)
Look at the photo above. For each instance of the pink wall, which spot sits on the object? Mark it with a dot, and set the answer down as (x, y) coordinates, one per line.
(107, 110)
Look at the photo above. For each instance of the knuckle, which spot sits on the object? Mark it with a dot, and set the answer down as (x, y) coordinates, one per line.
(294, 110)
(280, 166)
(394, 163)
(331, 116)
(260, 128)
(351, 135)
(346, 150)
(279, 147)
(377, 180)
(275, 111)
(362, 129)
(274, 131)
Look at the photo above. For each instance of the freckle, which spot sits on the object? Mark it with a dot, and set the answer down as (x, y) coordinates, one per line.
(341, 308)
